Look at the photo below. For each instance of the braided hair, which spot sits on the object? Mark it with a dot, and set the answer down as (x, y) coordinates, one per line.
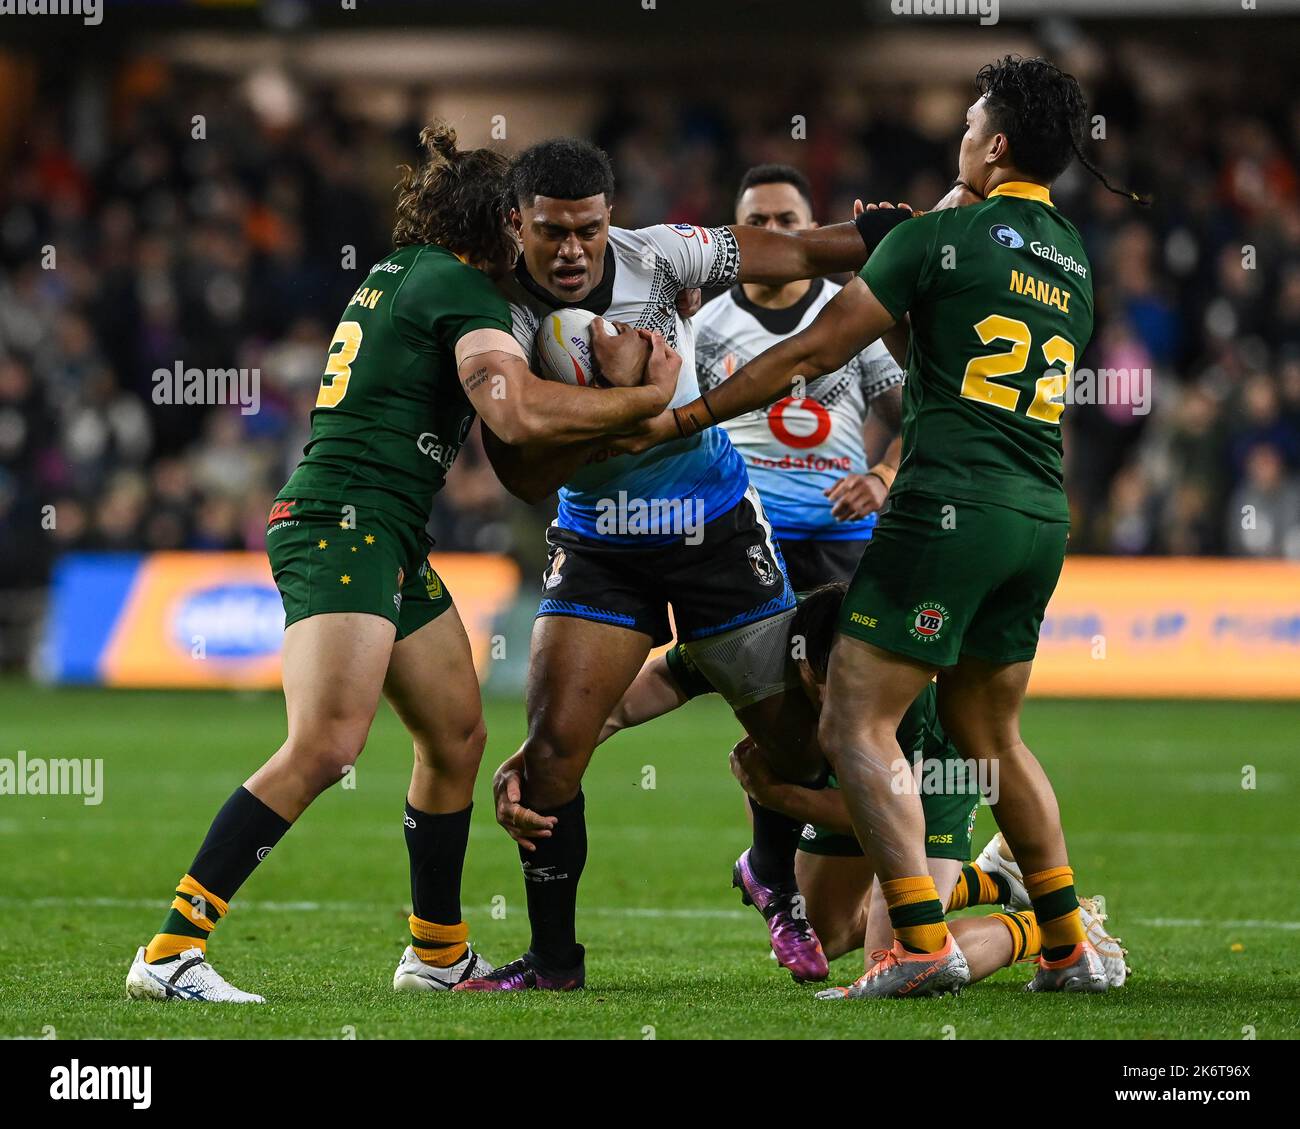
(1042, 111)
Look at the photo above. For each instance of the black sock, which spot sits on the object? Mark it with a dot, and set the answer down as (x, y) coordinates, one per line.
(240, 837)
(551, 876)
(436, 845)
(776, 838)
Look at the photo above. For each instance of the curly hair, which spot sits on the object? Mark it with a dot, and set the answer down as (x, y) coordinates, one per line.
(455, 199)
(564, 168)
(1042, 111)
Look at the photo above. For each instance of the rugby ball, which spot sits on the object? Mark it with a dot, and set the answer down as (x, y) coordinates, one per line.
(564, 347)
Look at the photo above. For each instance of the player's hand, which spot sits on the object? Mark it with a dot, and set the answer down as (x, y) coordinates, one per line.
(648, 433)
(750, 767)
(521, 824)
(662, 367)
(689, 302)
(958, 196)
(621, 358)
(859, 207)
(855, 496)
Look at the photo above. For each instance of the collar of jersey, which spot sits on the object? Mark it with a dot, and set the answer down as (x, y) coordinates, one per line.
(597, 302)
(779, 322)
(1024, 190)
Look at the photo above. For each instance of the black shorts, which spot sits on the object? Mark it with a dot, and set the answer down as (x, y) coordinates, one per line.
(733, 576)
(810, 564)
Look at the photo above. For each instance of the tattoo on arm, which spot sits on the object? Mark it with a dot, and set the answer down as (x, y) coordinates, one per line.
(476, 379)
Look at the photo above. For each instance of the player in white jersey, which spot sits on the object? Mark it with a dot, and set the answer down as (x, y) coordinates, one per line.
(807, 454)
(679, 525)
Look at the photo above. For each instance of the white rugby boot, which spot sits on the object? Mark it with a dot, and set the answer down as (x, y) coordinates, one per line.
(189, 977)
(413, 975)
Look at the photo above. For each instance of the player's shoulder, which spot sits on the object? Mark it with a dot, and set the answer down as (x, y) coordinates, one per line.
(427, 267)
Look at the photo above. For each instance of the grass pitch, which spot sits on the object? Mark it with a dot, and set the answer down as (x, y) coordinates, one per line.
(1199, 873)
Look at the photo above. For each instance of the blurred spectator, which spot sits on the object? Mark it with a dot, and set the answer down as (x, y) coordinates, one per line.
(1264, 512)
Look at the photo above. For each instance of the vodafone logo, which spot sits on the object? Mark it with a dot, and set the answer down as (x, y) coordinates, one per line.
(800, 423)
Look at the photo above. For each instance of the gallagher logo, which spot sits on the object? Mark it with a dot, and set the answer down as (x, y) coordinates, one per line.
(1007, 236)
(927, 621)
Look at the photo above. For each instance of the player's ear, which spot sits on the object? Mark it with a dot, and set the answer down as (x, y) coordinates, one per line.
(516, 220)
(999, 149)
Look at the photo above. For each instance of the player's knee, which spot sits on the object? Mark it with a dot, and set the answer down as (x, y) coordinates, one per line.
(554, 762)
(325, 757)
(846, 733)
(456, 752)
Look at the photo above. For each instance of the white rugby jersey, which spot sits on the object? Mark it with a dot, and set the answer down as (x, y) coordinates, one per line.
(795, 449)
(644, 272)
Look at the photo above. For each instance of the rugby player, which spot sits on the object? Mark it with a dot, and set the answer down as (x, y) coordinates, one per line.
(424, 344)
(705, 548)
(842, 898)
(806, 455)
(959, 571)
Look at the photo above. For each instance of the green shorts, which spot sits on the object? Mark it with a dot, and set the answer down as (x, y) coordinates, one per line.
(941, 580)
(331, 557)
(949, 828)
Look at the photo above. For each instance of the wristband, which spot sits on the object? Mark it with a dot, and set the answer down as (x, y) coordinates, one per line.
(690, 419)
(886, 474)
(873, 226)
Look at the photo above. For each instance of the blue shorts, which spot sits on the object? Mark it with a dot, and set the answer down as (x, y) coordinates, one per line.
(726, 574)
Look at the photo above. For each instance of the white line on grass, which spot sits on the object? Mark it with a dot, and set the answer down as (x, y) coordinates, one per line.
(651, 912)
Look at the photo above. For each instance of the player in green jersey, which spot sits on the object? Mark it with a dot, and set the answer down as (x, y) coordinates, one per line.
(424, 344)
(998, 295)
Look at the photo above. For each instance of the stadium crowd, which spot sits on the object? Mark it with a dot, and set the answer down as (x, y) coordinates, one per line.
(239, 250)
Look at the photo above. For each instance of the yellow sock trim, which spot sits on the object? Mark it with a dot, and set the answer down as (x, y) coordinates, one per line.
(1026, 938)
(188, 885)
(908, 891)
(923, 938)
(926, 937)
(446, 944)
(1064, 931)
(988, 891)
(191, 913)
(164, 946)
(1044, 882)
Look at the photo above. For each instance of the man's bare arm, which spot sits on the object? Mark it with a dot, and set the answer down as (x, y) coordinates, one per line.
(532, 473)
(780, 256)
(848, 324)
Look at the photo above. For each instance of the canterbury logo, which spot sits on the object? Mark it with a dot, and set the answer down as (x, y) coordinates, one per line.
(408, 821)
(262, 852)
(281, 511)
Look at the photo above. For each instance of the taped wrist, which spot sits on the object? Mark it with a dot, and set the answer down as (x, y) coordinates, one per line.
(874, 226)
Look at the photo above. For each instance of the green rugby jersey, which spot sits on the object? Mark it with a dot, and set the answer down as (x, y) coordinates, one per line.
(1000, 297)
(391, 414)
